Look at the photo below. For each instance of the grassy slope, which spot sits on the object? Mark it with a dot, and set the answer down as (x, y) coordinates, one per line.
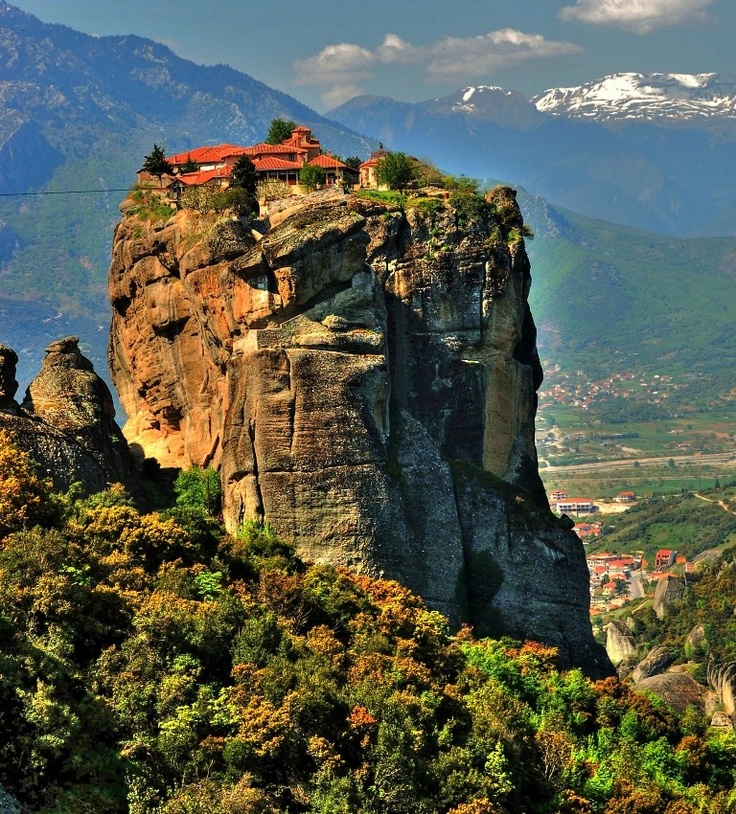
(686, 523)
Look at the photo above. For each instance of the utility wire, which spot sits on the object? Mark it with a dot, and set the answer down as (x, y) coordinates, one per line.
(62, 192)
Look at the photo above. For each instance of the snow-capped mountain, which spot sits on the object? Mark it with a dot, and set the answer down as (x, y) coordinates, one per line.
(477, 99)
(490, 103)
(648, 97)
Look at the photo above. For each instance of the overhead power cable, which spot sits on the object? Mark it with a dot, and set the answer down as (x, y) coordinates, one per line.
(61, 192)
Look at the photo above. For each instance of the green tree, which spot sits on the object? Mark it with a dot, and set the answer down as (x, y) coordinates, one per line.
(24, 497)
(353, 161)
(279, 130)
(156, 163)
(198, 488)
(245, 175)
(189, 165)
(395, 170)
(241, 196)
(311, 177)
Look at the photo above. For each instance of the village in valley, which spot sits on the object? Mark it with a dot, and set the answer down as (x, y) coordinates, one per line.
(615, 579)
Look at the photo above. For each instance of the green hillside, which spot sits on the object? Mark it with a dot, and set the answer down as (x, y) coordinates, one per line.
(688, 523)
(609, 298)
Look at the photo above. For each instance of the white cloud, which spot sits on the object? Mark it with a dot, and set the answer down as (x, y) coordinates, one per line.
(394, 49)
(475, 57)
(641, 16)
(342, 69)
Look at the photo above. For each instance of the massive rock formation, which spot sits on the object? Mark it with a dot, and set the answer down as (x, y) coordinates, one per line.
(364, 377)
(67, 420)
(669, 592)
(620, 642)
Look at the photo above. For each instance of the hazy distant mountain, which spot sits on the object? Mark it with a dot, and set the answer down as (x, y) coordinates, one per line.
(655, 97)
(655, 152)
(608, 297)
(78, 113)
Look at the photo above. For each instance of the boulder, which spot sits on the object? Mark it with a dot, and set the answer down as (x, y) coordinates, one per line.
(679, 690)
(620, 643)
(656, 661)
(695, 641)
(670, 591)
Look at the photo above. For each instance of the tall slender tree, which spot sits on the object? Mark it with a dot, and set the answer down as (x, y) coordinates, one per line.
(156, 163)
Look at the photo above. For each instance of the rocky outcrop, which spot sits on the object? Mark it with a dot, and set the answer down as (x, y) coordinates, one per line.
(669, 592)
(679, 690)
(620, 643)
(722, 678)
(8, 803)
(364, 377)
(66, 421)
(656, 661)
(8, 384)
(68, 395)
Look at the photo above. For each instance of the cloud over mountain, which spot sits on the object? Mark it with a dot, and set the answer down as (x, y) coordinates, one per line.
(341, 69)
(641, 16)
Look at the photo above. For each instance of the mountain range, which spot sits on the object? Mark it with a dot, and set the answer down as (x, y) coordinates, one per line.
(652, 152)
(658, 97)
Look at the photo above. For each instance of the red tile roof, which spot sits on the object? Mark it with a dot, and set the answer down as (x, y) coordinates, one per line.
(272, 163)
(208, 155)
(272, 149)
(198, 178)
(329, 162)
(622, 563)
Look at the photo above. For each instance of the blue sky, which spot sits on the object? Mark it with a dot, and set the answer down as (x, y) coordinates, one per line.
(325, 51)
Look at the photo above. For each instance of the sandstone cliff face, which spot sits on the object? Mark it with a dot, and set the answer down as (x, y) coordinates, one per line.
(67, 420)
(669, 592)
(365, 380)
(620, 642)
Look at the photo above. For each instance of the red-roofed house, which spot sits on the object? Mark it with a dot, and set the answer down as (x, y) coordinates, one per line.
(368, 169)
(279, 162)
(272, 168)
(609, 588)
(625, 497)
(335, 171)
(664, 558)
(209, 158)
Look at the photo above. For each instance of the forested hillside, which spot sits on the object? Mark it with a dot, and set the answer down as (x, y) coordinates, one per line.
(612, 299)
(155, 665)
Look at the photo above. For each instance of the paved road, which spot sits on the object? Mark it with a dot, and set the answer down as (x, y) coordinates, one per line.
(715, 458)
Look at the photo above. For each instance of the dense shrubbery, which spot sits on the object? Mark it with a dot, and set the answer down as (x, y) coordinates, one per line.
(709, 602)
(152, 664)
